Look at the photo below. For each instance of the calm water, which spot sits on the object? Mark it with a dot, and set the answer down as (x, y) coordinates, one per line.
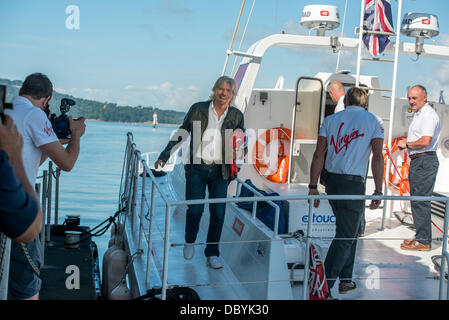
(91, 189)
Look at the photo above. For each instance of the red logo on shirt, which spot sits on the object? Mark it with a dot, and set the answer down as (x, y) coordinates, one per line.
(342, 142)
(48, 130)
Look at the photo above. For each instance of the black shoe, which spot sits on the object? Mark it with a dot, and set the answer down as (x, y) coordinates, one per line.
(345, 287)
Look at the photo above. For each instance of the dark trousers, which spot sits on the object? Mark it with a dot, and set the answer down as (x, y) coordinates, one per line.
(422, 175)
(340, 258)
(197, 178)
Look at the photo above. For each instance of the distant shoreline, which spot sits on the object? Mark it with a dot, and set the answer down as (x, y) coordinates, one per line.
(146, 122)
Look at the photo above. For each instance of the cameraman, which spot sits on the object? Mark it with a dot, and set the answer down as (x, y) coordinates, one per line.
(39, 142)
(20, 213)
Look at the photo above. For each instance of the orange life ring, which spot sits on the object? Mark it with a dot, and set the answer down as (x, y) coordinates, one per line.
(279, 172)
(394, 180)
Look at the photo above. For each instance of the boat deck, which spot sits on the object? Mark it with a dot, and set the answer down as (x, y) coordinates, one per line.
(382, 270)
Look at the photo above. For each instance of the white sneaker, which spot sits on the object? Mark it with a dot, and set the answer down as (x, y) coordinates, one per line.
(214, 263)
(189, 251)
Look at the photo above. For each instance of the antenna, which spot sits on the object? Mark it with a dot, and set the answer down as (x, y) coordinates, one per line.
(420, 26)
(320, 17)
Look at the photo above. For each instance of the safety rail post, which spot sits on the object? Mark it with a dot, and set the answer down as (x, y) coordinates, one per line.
(166, 248)
(444, 255)
(5, 257)
(131, 186)
(150, 235)
(305, 287)
(58, 173)
(49, 191)
(142, 205)
(44, 209)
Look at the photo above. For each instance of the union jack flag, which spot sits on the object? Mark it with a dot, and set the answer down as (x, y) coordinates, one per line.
(377, 18)
(317, 276)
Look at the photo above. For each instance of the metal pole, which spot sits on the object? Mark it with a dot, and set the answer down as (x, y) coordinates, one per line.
(142, 205)
(4, 267)
(388, 206)
(443, 254)
(150, 235)
(233, 37)
(166, 248)
(58, 173)
(276, 222)
(305, 287)
(133, 203)
(44, 209)
(359, 49)
(49, 191)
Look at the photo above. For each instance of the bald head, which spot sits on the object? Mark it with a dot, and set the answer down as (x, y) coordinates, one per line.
(417, 97)
(336, 90)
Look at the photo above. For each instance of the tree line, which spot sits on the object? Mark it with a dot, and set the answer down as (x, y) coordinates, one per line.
(103, 111)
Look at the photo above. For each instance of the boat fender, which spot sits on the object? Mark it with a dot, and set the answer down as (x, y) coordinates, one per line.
(121, 292)
(114, 268)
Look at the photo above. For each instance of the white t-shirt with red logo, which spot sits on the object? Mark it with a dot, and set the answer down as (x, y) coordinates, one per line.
(349, 134)
(36, 131)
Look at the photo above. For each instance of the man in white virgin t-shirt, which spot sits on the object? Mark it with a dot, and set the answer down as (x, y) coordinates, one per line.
(348, 137)
(39, 142)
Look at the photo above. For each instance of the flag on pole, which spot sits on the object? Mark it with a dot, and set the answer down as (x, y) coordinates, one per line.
(377, 18)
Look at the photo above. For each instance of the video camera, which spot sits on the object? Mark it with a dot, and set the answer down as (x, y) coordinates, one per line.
(3, 104)
(61, 125)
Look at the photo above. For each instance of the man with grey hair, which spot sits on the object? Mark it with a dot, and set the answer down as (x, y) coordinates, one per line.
(337, 93)
(422, 144)
(211, 124)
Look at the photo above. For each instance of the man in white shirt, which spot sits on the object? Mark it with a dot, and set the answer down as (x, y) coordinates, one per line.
(208, 123)
(348, 137)
(422, 143)
(39, 142)
(337, 93)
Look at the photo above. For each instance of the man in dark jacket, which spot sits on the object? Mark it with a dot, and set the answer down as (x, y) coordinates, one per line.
(211, 125)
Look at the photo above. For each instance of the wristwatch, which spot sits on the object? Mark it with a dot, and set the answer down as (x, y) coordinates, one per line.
(313, 186)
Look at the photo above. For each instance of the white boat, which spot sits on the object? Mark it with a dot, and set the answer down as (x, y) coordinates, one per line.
(155, 123)
(259, 263)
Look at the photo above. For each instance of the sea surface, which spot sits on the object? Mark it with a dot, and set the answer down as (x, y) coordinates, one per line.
(91, 189)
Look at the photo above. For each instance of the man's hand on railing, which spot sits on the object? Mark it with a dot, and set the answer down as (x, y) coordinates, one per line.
(158, 163)
(375, 203)
(313, 192)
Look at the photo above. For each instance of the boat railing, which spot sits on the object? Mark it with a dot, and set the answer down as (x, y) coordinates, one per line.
(276, 207)
(131, 172)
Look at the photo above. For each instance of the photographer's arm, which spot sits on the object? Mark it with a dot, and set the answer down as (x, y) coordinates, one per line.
(66, 158)
(13, 174)
(33, 230)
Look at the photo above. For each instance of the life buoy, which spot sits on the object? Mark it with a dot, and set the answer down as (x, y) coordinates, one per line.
(396, 182)
(277, 171)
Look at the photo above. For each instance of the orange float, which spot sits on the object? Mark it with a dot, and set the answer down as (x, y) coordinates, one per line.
(395, 181)
(279, 173)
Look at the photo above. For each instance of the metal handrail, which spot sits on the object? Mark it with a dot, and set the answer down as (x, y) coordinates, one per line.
(255, 199)
(271, 203)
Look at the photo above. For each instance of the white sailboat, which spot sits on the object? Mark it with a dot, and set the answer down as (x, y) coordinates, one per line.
(155, 123)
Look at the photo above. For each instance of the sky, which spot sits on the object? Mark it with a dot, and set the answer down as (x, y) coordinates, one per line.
(168, 53)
